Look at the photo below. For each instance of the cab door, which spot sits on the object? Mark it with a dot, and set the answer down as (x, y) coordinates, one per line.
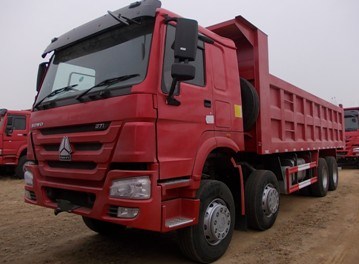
(14, 136)
(182, 129)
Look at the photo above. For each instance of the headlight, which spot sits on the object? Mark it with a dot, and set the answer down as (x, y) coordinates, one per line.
(29, 178)
(0, 151)
(131, 188)
(356, 150)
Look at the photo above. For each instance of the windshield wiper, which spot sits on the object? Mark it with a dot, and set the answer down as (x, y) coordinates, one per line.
(57, 91)
(122, 19)
(108, 82)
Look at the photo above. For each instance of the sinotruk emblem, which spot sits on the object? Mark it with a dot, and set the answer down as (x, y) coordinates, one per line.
(65, 150)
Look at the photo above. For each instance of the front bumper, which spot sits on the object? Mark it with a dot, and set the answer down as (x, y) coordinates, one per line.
(154, 214)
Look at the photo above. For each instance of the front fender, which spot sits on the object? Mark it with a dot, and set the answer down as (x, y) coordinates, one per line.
(206, 148)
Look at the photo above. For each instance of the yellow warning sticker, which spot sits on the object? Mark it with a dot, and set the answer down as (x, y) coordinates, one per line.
(238, 111)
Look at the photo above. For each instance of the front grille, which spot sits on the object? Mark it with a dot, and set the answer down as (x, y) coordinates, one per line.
(88, 146)
(82, 199)
(75, 129)
(78, 165)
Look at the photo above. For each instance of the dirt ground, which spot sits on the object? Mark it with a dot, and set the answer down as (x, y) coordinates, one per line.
(307, 230)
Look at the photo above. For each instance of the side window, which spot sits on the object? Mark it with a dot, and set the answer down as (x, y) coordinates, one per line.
(199, 79)
(17, 122)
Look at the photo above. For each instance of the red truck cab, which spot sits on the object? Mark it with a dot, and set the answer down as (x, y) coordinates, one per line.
(349, 156)
(14, 128)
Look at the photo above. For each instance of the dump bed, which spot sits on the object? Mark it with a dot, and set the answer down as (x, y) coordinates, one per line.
(290, 119)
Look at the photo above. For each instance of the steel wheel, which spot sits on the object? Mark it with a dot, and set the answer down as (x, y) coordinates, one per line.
(217, 222)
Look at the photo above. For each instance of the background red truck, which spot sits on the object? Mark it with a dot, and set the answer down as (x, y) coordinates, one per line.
(14, 128)
(142, 121)
(350, 154)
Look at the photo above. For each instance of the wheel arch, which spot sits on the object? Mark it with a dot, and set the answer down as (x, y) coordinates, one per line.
(211, 145)
(21, 152)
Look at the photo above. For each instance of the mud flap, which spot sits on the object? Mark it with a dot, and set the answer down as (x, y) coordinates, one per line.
(65, 206)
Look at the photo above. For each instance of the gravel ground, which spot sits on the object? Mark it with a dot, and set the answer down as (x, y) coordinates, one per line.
(307, 230)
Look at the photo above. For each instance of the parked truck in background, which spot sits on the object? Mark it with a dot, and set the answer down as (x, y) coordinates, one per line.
(14, 128)
(349, 156)
(145, 120)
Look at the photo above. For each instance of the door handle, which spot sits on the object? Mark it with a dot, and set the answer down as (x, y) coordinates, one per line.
(207, 103)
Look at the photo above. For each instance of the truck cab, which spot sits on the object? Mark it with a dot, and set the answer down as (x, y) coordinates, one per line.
(14, 128)
(350, 154)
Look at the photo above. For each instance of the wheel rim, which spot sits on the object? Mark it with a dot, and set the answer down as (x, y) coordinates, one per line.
(217, 222)
(270, 200)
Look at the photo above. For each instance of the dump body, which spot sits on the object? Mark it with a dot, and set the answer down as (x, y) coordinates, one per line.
(350, 154)
(290, 119)
(14, 128)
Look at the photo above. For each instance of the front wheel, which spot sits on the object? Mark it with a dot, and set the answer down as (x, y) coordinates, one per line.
(20, 168)
(262, 199)
(209, 239)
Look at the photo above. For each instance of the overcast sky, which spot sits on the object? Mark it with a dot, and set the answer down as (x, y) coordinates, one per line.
(312, 44)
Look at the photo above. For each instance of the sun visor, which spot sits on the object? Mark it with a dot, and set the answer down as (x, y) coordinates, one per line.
(144, 8)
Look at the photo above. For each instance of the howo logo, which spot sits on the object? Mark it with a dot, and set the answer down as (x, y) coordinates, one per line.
(65, 150)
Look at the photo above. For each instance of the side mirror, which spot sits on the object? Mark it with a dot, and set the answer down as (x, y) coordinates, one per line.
(185, 46)
(183, 72)
(185, 49)
(9, 131)
(41, 74)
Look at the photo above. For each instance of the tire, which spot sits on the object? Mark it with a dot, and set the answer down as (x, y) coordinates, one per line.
(250, 104)
(333, 173)
(20, 168)
(102, 227)
(262, 199)
(202, 242)
(320, 188)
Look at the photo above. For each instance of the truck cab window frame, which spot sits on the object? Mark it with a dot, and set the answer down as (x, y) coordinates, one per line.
(16, 122)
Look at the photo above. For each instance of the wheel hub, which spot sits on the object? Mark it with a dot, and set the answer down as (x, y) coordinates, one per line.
(217, 222)
(270, 200)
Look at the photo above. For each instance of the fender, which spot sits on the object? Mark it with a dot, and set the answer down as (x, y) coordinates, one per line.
(206, 148)
(18, 154)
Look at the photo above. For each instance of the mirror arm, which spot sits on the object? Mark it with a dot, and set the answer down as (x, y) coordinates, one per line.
(170, 100)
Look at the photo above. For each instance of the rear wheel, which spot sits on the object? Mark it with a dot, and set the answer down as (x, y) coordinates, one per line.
(262, 199)
(102, 227)
(333, 173)
(320, 188)
(209, 239)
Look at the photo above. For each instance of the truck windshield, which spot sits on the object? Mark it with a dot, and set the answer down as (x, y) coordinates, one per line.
(123, 51)
(351, 123)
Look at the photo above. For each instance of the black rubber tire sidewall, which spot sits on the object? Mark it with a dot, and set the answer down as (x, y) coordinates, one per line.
(317, 189)
(19, 172)
(192, 239)
(254, 189)
(332, 169)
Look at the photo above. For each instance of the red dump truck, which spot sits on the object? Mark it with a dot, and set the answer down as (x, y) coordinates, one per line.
(14, 128)
(349, 156)
(145, 120)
